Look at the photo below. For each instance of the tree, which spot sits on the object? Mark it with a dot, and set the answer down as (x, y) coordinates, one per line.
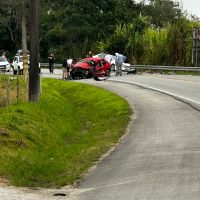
(163, 12)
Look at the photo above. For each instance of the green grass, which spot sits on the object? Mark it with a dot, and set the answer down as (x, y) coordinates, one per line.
(9, 85)
(52, 143)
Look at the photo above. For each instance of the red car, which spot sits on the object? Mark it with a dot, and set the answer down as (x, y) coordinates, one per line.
(90, 67)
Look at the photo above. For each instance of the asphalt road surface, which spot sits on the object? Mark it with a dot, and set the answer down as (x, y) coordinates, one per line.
(159, 158)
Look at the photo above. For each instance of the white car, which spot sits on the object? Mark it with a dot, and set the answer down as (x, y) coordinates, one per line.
(4, 64)
(17, 64)
(126, 68)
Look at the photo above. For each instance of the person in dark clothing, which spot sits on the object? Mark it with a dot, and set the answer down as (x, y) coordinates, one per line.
(51, 59)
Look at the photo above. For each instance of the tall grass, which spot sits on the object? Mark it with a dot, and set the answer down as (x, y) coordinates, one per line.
(52, 143)
(155, 46)
(144, 44)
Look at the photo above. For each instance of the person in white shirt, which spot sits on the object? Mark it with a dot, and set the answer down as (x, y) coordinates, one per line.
(108, 57)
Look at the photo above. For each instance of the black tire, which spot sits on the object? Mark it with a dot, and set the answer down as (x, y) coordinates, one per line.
(73, 77)
(96, 78)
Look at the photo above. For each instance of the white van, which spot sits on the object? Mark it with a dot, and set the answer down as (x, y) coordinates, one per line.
(17, 64)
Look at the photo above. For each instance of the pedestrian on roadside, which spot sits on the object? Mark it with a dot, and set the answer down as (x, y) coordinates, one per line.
(51, 59)
(90, 54)
(4, 54)
(69, 67)
(65, 66)
(108, 57)
(119, 60)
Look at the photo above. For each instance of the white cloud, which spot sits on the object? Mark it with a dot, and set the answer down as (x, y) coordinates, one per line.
(192, 6)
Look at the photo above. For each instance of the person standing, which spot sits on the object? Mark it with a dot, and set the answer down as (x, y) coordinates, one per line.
(65, 66)
(119, 60)
(51, 59)
(90, 54)
(108, 57)
(69, 67)
(4, 55)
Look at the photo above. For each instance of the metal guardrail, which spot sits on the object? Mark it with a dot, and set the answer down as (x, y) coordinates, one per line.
(148, 67)
(167, 68)
(47, 65)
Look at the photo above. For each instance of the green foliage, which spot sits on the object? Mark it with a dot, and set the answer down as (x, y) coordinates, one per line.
(162, 12)
(54, 142)
(155, 46)
(179, 41)
(72, 27)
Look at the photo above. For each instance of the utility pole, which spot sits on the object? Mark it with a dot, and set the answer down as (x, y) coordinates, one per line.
(34, 78)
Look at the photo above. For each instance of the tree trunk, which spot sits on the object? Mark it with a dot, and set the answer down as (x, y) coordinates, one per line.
(34, 78)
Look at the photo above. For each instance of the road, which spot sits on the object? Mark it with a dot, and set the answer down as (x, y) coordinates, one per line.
(159, 157)
(185, 87)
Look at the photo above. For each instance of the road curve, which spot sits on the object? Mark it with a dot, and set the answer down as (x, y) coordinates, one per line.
(157, 160)
(185, 88)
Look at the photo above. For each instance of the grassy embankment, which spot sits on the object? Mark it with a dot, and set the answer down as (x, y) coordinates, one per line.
(54, 142)
(9, 85)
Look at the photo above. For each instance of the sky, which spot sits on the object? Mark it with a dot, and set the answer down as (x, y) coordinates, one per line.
(192, 6)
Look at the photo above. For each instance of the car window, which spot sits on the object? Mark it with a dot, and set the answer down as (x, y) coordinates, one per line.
(15, 59)
(84, 61)
(20, 59)
(100, 55)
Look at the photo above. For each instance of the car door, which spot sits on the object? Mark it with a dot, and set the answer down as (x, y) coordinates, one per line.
(15, 63)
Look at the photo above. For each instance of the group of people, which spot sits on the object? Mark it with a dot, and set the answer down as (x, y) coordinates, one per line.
(119, 59)
(67, 64)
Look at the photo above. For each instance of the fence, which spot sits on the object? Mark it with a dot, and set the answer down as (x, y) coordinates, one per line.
(173, 69)
(46, 65)
(145, 67)
(12, 89)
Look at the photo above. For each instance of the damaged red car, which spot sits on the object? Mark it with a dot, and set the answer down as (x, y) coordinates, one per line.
(91, 67)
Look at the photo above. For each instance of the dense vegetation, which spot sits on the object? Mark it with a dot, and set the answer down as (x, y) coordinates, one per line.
(53, 142)
(155, 32)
